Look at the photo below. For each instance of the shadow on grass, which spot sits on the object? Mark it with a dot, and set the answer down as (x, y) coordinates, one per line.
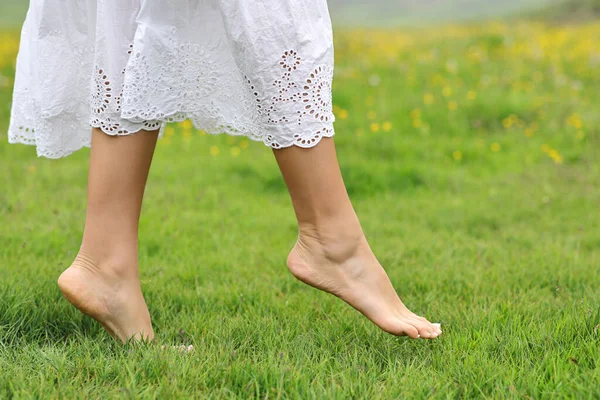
(25, 320)
(361, 180)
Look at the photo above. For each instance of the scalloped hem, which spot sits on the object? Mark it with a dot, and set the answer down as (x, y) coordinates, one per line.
(309, 138)
(31, 136)
(274, 136)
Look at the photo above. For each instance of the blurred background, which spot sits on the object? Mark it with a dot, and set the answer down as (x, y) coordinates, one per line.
(406, 12)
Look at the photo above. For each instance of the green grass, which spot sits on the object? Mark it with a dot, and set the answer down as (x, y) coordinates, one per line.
(502, 247)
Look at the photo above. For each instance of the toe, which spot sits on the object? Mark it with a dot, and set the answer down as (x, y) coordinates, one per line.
(435, 328)
(410, 331)
(426, 330)
(399, 327)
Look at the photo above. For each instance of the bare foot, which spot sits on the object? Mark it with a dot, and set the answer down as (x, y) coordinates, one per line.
(111, 299)
(349, 270)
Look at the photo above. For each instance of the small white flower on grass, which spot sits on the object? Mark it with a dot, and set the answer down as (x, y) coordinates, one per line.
(181, 348)
(374, 80)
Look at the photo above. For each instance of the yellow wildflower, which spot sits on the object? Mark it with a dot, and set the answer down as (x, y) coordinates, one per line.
(575, 121)
(428, 98)
(529, 132)
(187, 124)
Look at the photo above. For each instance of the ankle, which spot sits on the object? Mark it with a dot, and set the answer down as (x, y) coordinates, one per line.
(117, 264)
(332, 228)
(337, 240)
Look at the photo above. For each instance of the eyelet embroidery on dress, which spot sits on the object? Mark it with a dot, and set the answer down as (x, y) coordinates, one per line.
(309, 101)
(188, 74)
(101, 97)
(106, 109)
(324, 132)
(317, 95)
(194, 83)
(26, 130)
(290, 61)
(294, 109)
(119, 98)
(256, 95)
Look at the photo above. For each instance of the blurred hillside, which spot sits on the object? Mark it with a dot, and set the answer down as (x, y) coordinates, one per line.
(409, 12)
(413, 12)
(12, 12)
(380, 12)
(570, 10)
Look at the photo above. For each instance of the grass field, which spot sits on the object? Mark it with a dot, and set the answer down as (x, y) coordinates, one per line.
(471, 154)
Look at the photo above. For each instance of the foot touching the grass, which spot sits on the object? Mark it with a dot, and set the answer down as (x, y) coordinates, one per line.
(112, 298)
(346, 267)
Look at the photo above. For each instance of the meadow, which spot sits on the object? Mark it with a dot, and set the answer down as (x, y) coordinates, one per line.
(471, 156)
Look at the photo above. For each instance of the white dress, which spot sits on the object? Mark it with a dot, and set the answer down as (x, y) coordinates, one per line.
(259, 68)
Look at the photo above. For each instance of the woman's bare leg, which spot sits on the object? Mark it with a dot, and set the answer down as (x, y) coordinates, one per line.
(103, 280)
(332, 253)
